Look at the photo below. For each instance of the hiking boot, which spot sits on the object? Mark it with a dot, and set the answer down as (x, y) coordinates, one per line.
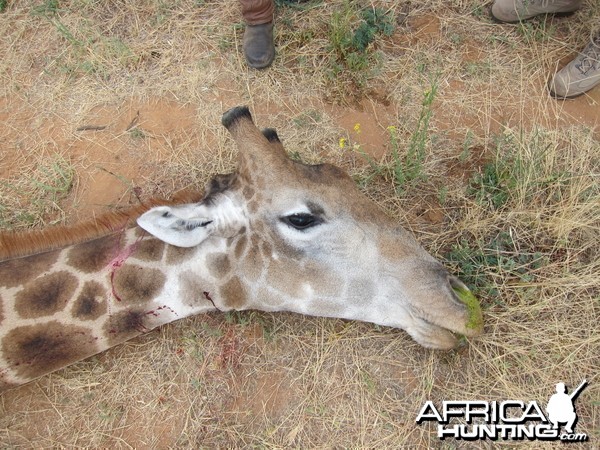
(512, 11)
(580, 75)
(258, 45)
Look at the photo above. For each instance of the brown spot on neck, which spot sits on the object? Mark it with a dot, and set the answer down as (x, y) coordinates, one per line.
(398, 244)
(35, 350)
(16, 272)
(240, 246)
(194, 291)
(45, 295)
(278, 278)
(91, 302)
(253, 263)
(136, 285)
(94, 255)
(149, 250)
(234, 294)
(248, 192)
(177, 255)
(126, 324)
(266, 249)
(218, 265)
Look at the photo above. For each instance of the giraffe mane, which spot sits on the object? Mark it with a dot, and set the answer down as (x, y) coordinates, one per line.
(24, 243)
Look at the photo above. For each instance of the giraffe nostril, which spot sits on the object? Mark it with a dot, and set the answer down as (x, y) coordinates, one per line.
(455, 283)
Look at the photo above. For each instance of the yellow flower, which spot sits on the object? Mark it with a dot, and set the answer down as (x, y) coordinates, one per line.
(357, 128)
(342, 142)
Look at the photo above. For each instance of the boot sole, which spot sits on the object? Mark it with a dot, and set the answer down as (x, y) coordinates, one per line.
(261, 66)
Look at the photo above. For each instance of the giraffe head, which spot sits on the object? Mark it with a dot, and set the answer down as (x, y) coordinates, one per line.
(305, 239)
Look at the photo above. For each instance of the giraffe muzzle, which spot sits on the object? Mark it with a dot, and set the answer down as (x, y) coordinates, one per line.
(474, 324)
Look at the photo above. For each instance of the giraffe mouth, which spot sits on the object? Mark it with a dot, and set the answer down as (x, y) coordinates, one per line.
(463, 294)
(457, 316)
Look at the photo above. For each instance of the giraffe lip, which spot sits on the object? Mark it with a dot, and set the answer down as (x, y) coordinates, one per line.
(438, 326)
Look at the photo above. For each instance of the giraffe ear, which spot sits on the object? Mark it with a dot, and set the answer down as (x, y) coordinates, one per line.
(182, 226)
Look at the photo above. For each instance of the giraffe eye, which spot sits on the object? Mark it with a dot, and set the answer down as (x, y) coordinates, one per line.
(301, 221)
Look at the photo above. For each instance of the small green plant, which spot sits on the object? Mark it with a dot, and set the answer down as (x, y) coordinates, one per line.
(351, 34)
(375, 170)
(479, 11)
(493, 184)
(209, 330)
(108, 412)
(409, 167)
(88, 50)
(478, 263)
(456, 38)
(443, 195)
(295, 4)
(49, 10)
(163, 12)
(137, 133)
(3, 5)
(295, 155)
(115, 49)
(374, 21)
(499, 39)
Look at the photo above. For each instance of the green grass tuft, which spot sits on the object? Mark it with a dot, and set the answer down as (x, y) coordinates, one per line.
(522, 172)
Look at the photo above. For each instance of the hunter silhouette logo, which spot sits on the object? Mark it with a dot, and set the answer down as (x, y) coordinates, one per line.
(560, 406)
(507, 420)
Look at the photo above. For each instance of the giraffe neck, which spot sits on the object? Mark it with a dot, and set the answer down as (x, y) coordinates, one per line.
(61, 306)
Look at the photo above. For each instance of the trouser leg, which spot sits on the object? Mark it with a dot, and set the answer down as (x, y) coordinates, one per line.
(257, 12)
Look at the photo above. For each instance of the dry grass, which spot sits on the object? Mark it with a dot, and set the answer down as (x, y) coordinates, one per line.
(157, 75)
(35, 200)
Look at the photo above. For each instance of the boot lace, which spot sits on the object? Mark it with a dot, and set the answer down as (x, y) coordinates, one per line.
(590, 56)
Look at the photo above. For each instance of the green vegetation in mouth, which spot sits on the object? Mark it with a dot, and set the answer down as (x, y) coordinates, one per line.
(475, 321)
